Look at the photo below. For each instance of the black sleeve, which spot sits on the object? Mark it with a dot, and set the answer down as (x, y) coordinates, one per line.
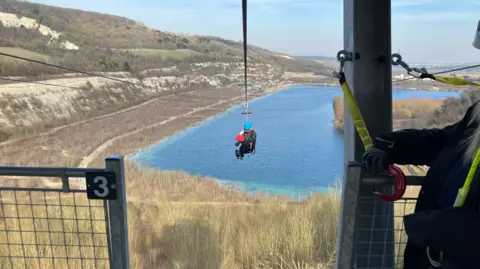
(421, 146)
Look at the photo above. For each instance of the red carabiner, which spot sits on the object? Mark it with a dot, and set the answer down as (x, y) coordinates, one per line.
(400, 185)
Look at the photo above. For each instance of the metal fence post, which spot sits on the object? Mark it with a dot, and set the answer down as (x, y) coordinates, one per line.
(348, 214)
(117, 211)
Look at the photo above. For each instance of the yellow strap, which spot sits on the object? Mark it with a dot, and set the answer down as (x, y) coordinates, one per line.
(356, 116)
(455, 81)
(463, 192)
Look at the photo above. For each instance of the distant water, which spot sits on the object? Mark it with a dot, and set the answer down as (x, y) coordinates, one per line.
(298, 150)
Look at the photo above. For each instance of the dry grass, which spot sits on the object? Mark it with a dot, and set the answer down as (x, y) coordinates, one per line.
(22, 53)
(178, 221)
(179, 54)
(414, 108)
(403, 111)
(163, 234)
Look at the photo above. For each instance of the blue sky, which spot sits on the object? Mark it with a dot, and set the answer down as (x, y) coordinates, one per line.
(422, 30)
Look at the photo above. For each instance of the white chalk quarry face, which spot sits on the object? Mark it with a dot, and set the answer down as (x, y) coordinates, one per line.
(476, 40)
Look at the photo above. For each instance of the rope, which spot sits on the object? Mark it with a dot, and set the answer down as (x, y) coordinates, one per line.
(244, 20)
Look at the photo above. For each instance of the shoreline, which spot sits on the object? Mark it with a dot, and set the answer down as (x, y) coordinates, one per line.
(415, 86)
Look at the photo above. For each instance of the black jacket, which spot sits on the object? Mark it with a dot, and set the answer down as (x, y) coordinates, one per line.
(440, 149)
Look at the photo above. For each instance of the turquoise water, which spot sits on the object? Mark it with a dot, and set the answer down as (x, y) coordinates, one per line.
(298, 149)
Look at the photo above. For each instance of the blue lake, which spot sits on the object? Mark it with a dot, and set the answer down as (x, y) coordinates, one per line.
(298, 149)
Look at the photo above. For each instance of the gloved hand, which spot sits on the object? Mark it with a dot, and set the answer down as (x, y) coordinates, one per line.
(376, 160)
(237, 144)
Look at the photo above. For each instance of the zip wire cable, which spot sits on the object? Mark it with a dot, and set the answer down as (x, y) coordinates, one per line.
(73, 70)
(39, 83)
(443, 72)
(245, 46)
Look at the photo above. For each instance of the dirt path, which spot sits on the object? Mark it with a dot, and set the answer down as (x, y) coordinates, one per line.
(88, 159)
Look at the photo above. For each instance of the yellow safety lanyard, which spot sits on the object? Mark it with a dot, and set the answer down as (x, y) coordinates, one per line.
(463, 192)
(362, 131)
(454, 81)
(450, 80)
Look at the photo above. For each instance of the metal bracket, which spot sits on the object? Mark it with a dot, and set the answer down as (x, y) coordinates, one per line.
(345, 56)
(397, 60)
(65, 183)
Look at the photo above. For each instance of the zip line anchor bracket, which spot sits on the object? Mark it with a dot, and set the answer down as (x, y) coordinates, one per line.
(344, 56)
(397, 60)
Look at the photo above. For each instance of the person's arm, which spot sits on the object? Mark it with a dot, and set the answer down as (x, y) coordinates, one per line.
(239, 137)
(254, 138)
(420, 147)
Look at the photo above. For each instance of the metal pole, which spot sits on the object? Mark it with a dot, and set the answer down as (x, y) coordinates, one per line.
(367, 31)
(348, 213)
(117, 212)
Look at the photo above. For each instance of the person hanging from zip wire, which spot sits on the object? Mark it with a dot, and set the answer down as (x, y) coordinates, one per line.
(247, 138)
(439, 234)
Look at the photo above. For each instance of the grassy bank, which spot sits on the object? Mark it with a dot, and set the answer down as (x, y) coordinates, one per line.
(180, 221)
(405, 113)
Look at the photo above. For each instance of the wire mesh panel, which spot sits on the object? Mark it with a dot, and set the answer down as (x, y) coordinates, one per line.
(371, 233)
(366, 239)
(60, 227)
(45, 229)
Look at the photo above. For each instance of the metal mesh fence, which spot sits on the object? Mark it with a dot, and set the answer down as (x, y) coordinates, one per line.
(393, 236)
(48, 230)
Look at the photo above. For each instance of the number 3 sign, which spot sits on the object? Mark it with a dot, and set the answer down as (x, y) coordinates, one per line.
(101, 185)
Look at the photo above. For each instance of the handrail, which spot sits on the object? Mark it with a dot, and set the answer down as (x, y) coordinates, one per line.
(46, 171)
(385, 179)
